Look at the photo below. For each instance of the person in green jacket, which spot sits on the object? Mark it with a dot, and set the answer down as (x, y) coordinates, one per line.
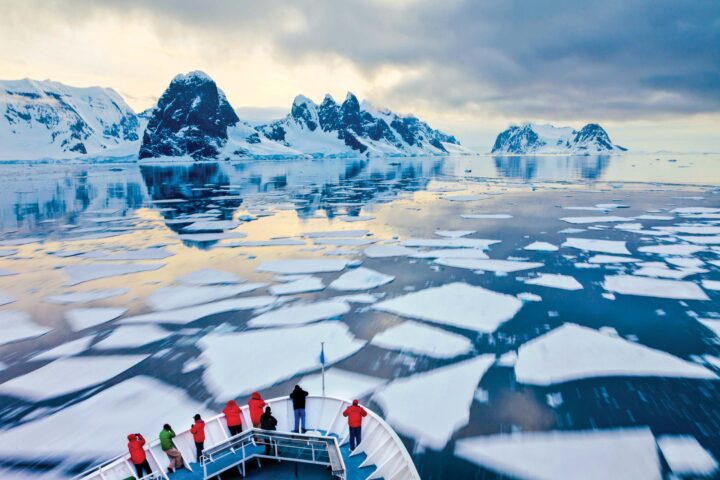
(166, 443)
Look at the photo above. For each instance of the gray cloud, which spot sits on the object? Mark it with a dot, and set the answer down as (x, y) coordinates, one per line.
(562, 59)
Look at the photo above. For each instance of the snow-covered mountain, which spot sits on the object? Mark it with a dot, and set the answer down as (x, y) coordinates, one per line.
(351, 128)
(193, 118)
(45, 119)
(530, 138)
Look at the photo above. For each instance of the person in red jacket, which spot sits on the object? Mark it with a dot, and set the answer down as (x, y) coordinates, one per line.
(136, 447)
(233, 417)
(198, 432)
(257, 407)
(355, 414)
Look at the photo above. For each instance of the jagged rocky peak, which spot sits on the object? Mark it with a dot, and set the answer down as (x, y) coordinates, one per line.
(46, 119)
(529, 138)
(191, 118)
(305, 113)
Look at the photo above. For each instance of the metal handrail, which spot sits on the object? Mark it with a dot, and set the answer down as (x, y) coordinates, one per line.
(298, 441)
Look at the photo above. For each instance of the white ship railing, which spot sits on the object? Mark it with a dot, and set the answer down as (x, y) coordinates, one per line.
(380, 443)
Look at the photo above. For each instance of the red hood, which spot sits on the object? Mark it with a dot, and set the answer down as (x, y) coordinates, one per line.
(131, 437)
(256, 396)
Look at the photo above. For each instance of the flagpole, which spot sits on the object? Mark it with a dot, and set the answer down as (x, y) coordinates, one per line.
(322, 349)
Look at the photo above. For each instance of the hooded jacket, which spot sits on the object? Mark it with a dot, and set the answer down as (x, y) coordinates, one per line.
(232, 414)
(267, 421)
(135, 447)
(298, 397)
(256, 404)
(355, 414)
(198, 431)
(166, 437)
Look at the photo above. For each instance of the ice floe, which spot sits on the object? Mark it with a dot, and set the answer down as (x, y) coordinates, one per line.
(85, 273)
(142, 254)
(19, 326)
(336, 234)
(593, 245)
(136, 405)
(171, 298)
(62, 376)
(84, 297)
(466, 198)
(594, 219)
(671, 249)
(191, 314)
(346, 242)
(449, 243)
(711, 284)
(554, 280)
(654, 287)
(132, 337)
(300, 346)
(299, 314)
(486, 216)
(385, 251)
(341, 384)
(301, 285)
(601, 259)
(452, 253)
(453, 387)
(664, 272)
(420, 339)
(572, 352)
(210, 237)
(529, 297)
(685, 455)
(6, 298)
(454, 233)
(691, 229)
(273, 242)
(456, 304)
(365, 298)
(622, 454)
(701, 239)
(302, 266)
(66, 349)
(209, 276)
(82, 318)
(360, 279)
(541, 247)
(488, 265)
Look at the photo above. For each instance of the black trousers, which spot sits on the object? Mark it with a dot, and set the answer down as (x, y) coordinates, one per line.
(234, 430)
(139, 467)
(355, 437)
(198, 449)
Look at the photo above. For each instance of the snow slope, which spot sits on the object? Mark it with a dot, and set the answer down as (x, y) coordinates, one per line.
(531, 138)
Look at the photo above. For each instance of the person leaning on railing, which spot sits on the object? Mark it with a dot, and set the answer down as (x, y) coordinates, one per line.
(166, 443)
(198, 432)
(136, 447)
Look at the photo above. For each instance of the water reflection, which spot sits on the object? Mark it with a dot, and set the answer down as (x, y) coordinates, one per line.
(552, 168)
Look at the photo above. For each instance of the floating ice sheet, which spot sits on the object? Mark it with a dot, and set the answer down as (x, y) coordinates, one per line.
(420, 339)
(360, 279)
(301, 285)
(480, 243)
(82, 318)
(623, 454)
(457, 304)
(554, 280)
(16, 326)
(685, 455)
(85, 297)
(571, 352)
(63, 376)
(142, 254)
(672, 249)
(341, 384)
(85, 273)
(654, 287)
(209, 276)
(299, 314)
(612, 259)
(66, 349)
(6, 298)
(274, 242)
(346, 242)
(595, 219)
(385, 251)
(489, 265)
(302, 266)
(300, 346)
(191, 314)
(171, 298)
(593, 245)
(132, 337)
(452, 387)
(486, 216)
(541, 247)
(337, 234)
(454, 233)
(136, 404)
(210, 237)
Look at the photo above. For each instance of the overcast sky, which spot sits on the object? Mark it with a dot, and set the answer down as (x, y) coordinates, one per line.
(649, 71)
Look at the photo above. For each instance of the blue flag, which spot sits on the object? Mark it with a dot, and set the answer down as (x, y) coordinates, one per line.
(322, 354)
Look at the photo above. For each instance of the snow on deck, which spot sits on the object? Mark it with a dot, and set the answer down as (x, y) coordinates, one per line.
(431, 406)
(457, 304)
(622, 454)
(572, 352)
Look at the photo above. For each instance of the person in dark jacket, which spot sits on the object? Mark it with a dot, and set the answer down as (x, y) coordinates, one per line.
(298, 397)
(168, 446)
(268, 422)
(233, 417)
(136, 447)
(355, 414)
(198, 432)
